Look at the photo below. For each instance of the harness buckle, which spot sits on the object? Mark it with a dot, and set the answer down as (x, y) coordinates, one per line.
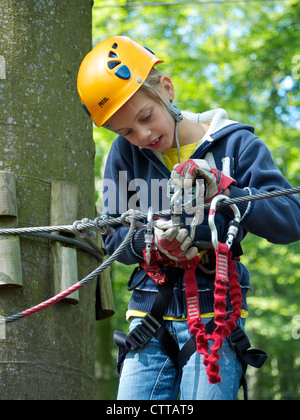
(239, 340)
(143, 333)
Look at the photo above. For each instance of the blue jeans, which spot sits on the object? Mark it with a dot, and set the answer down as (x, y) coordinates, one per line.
(149, 374)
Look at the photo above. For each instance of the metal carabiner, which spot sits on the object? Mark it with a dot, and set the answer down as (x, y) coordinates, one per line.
(175, 195)
(149, 235)
(233, 226)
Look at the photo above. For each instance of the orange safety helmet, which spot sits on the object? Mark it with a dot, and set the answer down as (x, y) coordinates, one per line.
(110, 74)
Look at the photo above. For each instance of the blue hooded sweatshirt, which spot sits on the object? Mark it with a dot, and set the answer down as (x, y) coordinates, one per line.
(137, 178)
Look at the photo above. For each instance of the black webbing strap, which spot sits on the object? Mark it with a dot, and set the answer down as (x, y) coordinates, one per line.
(151, 326)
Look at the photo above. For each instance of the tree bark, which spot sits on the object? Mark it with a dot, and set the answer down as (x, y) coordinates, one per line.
(44, 138)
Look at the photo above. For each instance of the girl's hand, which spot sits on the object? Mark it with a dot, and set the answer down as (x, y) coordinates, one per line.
(185, 173)
(173, 241)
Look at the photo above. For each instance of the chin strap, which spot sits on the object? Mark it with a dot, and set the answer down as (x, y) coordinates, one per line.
(174, 111)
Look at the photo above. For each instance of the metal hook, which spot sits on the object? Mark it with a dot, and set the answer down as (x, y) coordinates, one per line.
(149, 235)
(233, 226)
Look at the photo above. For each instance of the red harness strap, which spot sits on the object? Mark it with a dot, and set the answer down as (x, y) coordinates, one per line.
(154, 270)
(226, 276)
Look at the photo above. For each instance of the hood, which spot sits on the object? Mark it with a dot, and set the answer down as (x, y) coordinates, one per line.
(215, 118)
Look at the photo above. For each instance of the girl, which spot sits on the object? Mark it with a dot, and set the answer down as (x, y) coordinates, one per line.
(121, 89)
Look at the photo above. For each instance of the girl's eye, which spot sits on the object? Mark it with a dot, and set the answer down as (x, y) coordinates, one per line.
(148, 116)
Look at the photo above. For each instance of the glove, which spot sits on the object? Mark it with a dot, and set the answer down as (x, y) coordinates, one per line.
(185, 173)
(173, 241)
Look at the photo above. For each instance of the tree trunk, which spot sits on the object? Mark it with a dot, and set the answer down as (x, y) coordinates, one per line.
(45, 138)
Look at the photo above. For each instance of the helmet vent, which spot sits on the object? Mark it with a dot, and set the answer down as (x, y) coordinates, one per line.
(112, 54)
(115, 46)
(113, 64)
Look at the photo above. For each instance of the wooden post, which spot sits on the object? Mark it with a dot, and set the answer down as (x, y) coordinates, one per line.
(10, 253)
(64, 203)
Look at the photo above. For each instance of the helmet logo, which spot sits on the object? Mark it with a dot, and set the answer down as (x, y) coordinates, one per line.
(103, 102)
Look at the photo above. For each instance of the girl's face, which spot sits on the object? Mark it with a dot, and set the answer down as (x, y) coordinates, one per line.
(145, 123)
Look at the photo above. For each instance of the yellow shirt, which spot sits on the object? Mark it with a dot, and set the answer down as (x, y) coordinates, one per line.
(171, 155)
(171, 159)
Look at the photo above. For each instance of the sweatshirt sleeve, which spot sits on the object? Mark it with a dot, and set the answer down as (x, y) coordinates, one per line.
(116, 176)
(276, 219)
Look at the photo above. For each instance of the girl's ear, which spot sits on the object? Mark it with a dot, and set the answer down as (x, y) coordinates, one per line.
(167, 88)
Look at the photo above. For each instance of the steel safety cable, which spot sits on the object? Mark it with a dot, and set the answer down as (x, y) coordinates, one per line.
(139, 216)
(79, 284)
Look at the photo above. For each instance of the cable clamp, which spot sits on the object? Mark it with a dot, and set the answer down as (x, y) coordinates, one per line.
(104, 230)
(85, 232)
(126, 218)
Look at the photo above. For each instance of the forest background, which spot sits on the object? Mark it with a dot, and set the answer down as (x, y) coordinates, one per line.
(243, 56)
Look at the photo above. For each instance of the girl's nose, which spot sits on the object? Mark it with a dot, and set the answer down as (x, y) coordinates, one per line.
(144, 135)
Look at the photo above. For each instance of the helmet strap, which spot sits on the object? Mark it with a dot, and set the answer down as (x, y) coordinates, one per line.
(174, 111)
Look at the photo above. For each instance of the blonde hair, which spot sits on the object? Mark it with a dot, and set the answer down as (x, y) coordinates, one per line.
(151, 84)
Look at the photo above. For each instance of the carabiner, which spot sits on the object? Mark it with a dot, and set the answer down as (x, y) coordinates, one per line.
(233, 226)
(149, 235)
(175, 195)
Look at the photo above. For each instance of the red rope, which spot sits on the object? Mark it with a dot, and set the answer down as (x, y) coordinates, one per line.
(52, 300)
(223, 327)
(225, 276)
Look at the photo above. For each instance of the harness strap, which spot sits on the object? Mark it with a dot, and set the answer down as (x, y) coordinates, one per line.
(151, 326)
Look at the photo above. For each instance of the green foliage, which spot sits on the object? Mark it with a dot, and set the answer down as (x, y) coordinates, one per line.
(240, 57)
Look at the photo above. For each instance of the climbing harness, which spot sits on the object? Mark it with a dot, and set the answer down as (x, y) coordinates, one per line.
(221, 327)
